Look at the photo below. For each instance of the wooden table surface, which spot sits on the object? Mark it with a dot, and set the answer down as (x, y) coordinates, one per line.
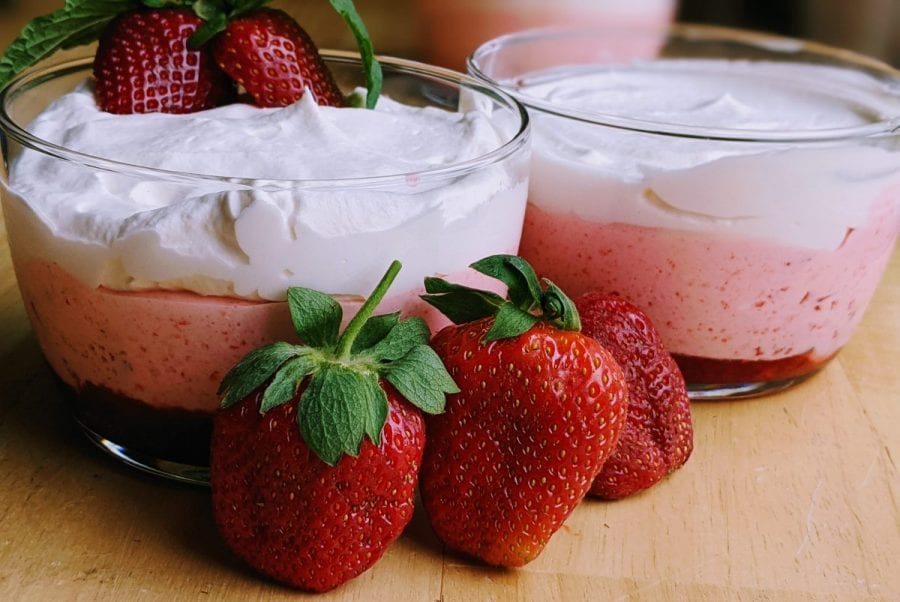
(789, 497)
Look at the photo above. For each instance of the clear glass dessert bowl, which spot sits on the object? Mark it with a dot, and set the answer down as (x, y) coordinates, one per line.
(145, 284)
(744, 189)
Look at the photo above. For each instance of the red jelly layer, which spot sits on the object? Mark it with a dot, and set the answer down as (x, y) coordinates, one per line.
(709, 371)
(172, 434)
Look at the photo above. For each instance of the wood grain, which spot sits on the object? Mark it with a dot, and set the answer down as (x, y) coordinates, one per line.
(790, 497)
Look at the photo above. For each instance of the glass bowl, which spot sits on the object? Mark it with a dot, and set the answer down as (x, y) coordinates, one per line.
(145, 285)
(742, 188)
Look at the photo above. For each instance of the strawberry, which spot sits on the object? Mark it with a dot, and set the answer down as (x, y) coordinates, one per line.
(274, 59)
(143, 65)
(317, 505)
(153, 58)
(539, 411)
(658, 435)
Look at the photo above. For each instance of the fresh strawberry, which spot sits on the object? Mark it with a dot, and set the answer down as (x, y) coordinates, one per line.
(658, 436)
(539, 411)
(317, 505)
(143, 65)
(157, 59)
(274, 59)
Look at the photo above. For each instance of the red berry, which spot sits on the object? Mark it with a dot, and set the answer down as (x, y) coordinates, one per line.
(519, 446)
(293, 517)
(143, 65)
(274, 59)
(658, 434)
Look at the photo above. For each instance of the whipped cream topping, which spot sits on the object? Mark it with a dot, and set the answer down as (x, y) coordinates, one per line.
(253, 239)
(805, 194)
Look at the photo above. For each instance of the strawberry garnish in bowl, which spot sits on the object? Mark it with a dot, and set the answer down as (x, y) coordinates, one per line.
(540, 409)
(658, 436)
(181, 56)
(316, 452)
(274, 59)
(144, 65)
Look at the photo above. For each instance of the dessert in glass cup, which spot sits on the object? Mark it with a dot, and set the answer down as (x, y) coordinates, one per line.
(743, 189)
(153, 251)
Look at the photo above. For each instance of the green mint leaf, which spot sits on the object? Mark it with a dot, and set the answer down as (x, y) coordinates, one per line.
(460, 303)
(286, 380)
(401, 339)
(518, 276)
(374, 330)
(371, 66)
(316, 316)
(559, 309)
(334, 412)
(422, 379)
(510, 322)
(78, 22)
(253, 370)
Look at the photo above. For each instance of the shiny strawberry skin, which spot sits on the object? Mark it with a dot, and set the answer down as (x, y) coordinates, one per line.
(143, 65)
(658, 436)
(291, 516)
(519, 446)
(274, 59)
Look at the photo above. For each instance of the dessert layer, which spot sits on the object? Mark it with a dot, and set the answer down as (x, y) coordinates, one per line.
(167, 349)
(718, 296)
(254, 238)
(804, 194)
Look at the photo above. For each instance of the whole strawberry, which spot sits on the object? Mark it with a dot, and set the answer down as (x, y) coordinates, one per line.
(316, 452)
(144, 65)
(157, 55)
(540, 409)
(274, 59)
(658, 435)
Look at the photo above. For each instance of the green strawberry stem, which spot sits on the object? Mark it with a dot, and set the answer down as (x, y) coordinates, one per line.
(345, 343)
(343, 400)
(527, 304)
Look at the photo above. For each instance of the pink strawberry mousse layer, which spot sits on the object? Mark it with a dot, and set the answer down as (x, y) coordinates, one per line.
(714, 295)
(167, 349)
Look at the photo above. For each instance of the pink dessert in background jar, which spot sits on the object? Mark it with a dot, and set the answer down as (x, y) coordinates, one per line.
(452, 30)
(153, 251)
(744, 190)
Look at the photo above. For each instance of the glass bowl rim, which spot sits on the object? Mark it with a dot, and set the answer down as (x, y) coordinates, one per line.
(698, 33)
(39, 75)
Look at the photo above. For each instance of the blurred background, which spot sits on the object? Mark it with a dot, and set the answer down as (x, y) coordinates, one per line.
(445, 31)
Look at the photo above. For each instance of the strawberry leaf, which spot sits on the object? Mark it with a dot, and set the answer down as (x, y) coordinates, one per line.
(460, 303)
(527, 304)
(559, 309)
(255, 369)
(376, 409)
(77, 23)
(215, 19)
(333, 414)
(343, 400)
(510, 322)
(374, 330)
(288, 377)
(316, 316)
(371, 66)
(421, 378)
(400, 340)
(518, 276)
